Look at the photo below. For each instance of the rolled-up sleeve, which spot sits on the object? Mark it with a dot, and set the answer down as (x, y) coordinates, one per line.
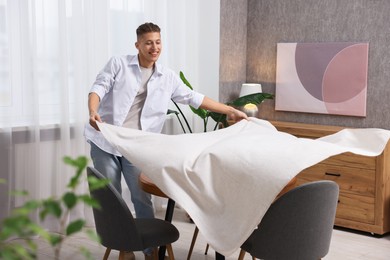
(185, 95)
(197, 99)
(105, 78)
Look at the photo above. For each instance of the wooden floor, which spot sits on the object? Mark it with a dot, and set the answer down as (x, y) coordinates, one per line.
(345, 245)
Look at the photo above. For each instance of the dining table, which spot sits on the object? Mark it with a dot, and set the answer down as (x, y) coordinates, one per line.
(234, 172)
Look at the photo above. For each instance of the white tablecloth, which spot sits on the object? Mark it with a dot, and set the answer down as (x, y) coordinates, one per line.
(227, 179)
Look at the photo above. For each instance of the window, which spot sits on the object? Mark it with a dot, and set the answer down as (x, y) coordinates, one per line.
(50, 52)
(5, 86)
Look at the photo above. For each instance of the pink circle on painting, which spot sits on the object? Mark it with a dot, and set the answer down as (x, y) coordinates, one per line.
(346, 75)
(311, 62)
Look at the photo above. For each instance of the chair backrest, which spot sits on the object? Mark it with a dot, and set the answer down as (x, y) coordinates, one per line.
(298, 225)
(114, 222)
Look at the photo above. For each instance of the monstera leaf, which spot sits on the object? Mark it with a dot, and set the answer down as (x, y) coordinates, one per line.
(256, 99)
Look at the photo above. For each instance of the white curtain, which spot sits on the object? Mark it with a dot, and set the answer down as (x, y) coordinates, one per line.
(50, 53)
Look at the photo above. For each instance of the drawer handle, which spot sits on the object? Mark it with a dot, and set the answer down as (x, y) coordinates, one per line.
(333, 174)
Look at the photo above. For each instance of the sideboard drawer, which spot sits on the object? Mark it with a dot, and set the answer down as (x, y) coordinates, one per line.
(350, 180)
(356, 208)
(352, 160)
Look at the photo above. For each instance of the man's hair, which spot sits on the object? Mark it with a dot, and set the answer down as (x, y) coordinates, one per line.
(147, 28)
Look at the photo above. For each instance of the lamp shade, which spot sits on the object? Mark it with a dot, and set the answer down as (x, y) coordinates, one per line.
(250, 88)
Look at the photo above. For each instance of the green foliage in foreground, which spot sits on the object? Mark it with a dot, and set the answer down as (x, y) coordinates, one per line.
(21, 225)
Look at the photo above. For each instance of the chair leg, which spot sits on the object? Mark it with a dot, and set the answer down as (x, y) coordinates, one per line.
(121, 255)
(155, 253)
(196, 231)
(107, 253)
(242, 254)
(170, 252)
(207, 249)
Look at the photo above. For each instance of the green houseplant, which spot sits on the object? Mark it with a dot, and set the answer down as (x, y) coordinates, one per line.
(20, 224)
(205, 115)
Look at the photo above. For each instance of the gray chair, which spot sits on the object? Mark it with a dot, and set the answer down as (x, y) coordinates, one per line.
(298, 225)
(118, 229)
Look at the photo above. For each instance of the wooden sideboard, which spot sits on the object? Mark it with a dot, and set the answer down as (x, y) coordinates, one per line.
(364, 200)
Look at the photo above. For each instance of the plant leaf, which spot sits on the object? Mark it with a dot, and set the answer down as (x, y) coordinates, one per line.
(27, 208)
(218, 117)
(42, 232)
(52, 207)
(185, 81)
(55, 239)
(93, 235)
(255, 98)
(80, 163)
(86, 253)
(74, 227)
(21, 193)
(69, 199)
(202, 113)
(90, 201)
(17, 251)
(16, 225)
(95, 183)
(74, 181)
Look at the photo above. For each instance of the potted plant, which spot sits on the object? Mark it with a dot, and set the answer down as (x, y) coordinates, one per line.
(205, 115)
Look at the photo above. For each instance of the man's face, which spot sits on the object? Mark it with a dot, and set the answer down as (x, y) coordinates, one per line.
(149, 48)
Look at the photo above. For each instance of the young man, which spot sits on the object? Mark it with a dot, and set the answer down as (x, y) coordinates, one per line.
(134, 91)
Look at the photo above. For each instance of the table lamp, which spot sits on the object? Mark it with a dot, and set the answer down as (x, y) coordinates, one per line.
(248, 89)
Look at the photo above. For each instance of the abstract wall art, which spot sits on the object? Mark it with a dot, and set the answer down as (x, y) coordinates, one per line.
(325, 78)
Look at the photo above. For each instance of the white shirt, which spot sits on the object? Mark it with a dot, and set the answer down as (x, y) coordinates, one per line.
(117, 85)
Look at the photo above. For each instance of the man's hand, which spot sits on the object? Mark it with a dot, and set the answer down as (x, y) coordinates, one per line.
(231, 112)
(93, 118)
(237, 115)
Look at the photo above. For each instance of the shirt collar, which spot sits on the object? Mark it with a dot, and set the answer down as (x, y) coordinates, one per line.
(135, 62)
